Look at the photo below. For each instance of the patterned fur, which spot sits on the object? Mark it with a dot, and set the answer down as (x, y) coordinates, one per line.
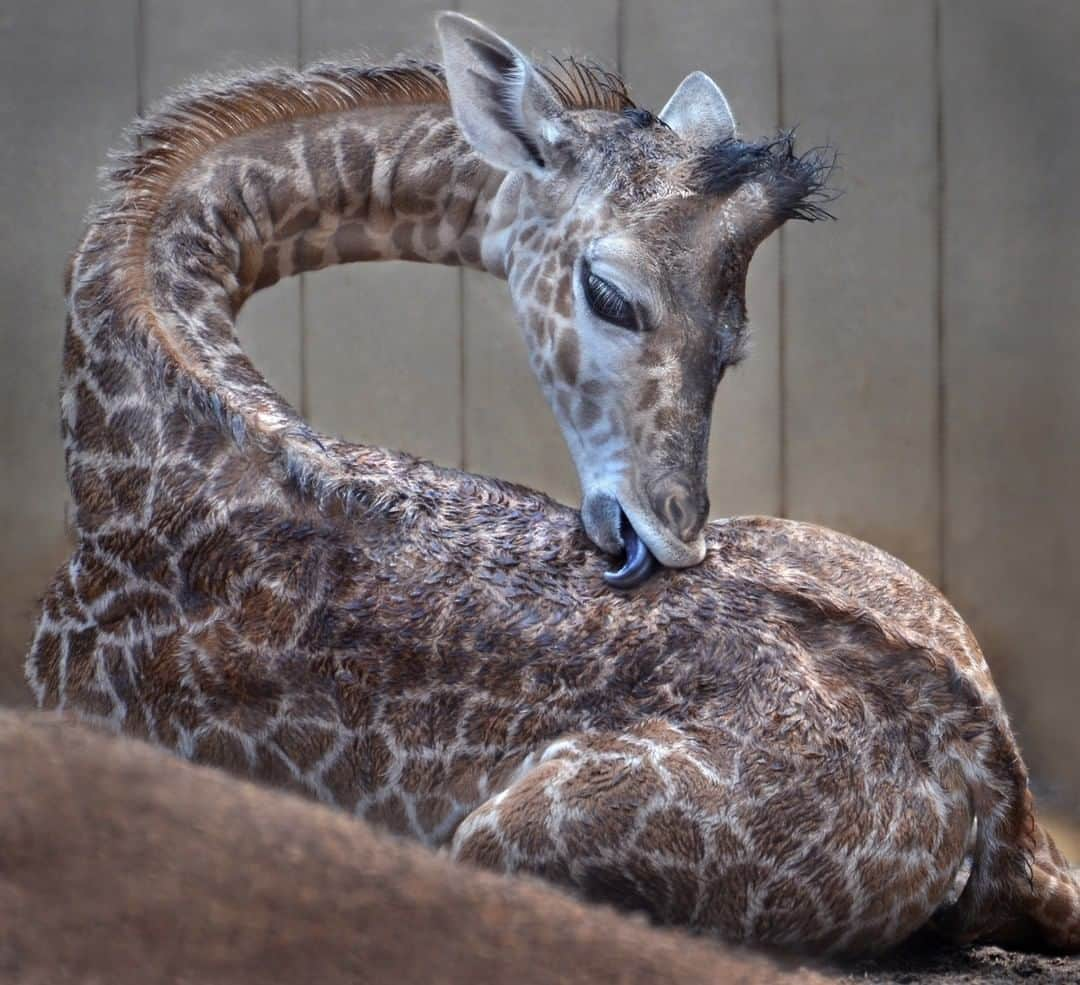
(787, 744)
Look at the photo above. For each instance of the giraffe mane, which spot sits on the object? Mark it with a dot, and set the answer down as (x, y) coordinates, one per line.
(586, 85)
(203, 115)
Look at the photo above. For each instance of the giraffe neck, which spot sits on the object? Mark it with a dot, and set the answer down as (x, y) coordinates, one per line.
(163, 270)
(375, 183)
(379, 183)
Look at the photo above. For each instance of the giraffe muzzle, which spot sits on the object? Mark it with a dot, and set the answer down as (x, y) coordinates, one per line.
(620, 525)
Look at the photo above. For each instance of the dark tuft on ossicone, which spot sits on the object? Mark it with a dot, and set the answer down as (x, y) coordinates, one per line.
(797, 185)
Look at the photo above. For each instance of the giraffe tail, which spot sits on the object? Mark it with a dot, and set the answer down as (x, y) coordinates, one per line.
(1022, 893)
(1052, 893)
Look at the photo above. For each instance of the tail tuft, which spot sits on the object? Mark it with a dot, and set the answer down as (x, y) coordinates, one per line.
(1051, 896)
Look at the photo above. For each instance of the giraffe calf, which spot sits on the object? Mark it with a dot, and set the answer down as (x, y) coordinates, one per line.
(784, 737)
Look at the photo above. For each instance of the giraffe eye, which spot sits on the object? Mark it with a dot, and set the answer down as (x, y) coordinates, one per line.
(608, 303)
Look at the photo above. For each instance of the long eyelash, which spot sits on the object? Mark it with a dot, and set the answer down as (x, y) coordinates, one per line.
(602, 288)
(603, 297)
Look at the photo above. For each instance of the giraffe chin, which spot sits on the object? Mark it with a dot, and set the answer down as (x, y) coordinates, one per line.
(639, 564)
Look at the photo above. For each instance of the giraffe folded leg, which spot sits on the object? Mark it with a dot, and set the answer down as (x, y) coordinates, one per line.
(652, 820)
(603, 816)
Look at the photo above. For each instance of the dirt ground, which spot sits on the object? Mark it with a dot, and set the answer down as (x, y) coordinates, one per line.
(924, 962)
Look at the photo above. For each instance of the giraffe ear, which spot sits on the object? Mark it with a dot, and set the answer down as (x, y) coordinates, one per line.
(503, 106)
(698, 111)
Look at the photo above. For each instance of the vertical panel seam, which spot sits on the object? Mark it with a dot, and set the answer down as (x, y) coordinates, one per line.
(620, 37)
(620, 40)
(939, 296)
(299, 33)
(781, 296)
(140, 55)
(463, 431)
(301, 287)
(463, 368)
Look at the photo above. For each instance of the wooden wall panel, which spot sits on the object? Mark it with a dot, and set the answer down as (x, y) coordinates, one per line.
(860, 295)
(181, 41)
(510, 430)
(1012, 358)
(382, 359)
(67, 90)
(735, 42)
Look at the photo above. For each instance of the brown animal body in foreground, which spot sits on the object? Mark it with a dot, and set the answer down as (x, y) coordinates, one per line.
(788, 743)
(120, 864)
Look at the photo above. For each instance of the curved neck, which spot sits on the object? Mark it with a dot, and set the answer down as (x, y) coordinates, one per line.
(372, 183)
(183, 244)
(228, 188)
(375, 183)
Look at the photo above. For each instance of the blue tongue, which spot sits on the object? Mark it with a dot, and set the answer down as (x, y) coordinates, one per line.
(639, 563)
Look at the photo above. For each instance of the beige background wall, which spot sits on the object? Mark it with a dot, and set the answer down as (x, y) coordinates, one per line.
(914, 379)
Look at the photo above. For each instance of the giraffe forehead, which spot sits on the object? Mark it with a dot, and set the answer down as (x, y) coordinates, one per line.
(688, 246)
(629, 161)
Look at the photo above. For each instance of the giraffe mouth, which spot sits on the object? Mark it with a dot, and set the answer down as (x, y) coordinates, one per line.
(639, 563)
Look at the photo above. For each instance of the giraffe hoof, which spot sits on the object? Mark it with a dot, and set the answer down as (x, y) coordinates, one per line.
(639, 563)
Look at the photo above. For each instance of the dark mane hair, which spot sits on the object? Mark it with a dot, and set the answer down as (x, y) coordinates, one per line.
(797, 185)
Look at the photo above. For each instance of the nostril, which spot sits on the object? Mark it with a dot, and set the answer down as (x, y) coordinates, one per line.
(694, 526)
(675, 512)
(681, 511)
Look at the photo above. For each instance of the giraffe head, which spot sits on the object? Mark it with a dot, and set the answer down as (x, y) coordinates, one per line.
(625, 238)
